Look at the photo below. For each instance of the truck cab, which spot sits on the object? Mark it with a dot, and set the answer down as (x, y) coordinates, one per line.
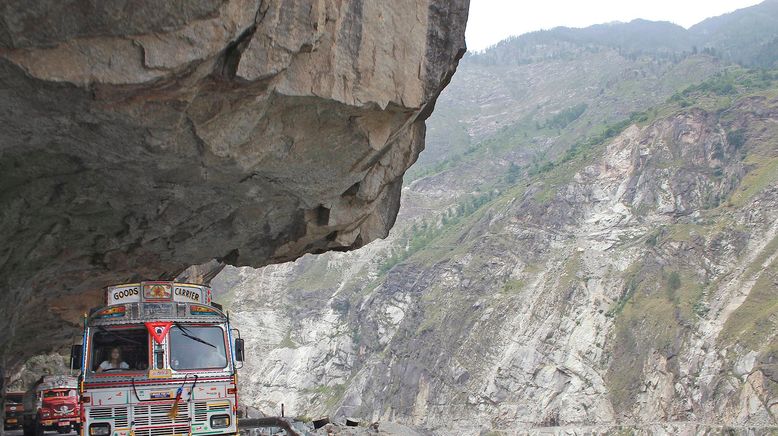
(51, 405)
(159, 358)
(59, 409)
(14, 409)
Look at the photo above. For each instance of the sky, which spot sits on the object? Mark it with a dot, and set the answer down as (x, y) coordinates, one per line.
(491, 21)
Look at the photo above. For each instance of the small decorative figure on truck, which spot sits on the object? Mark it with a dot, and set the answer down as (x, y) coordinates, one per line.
(158, 359)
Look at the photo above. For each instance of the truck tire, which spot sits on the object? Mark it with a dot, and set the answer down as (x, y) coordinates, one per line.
(64, 430)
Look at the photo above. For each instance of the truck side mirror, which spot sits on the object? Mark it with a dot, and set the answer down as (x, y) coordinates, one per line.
(239, 350)
(76, 353)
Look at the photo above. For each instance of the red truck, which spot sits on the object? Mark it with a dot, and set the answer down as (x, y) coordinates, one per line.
(14, 406)
(52, 405)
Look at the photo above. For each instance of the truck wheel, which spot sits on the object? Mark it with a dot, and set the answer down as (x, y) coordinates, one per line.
(64, 430)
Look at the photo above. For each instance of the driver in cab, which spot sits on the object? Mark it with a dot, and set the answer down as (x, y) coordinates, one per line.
(115, 361)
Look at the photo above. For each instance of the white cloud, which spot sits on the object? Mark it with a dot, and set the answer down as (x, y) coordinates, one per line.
(494, 20)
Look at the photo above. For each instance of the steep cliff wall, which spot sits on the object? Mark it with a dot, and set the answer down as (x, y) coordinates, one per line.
(630, 281)
(140, 138)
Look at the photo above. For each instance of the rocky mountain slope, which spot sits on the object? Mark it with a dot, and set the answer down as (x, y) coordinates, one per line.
(140, 138)
(589, 241)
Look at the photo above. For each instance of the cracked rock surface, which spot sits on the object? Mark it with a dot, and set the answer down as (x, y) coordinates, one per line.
(140, 138)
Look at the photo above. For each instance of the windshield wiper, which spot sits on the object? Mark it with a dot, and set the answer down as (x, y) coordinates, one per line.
(185, 332)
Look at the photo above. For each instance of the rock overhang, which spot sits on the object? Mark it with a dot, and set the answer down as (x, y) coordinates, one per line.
(246, 131)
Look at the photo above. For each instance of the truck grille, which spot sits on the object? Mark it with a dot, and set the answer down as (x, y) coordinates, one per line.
(118, 414)
(201, 411)
(153, 419)
(202, 408)
(157, 414)
(163, 431)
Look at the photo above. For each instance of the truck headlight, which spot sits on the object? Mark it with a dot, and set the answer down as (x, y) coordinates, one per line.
(220, 421)
(101, 429)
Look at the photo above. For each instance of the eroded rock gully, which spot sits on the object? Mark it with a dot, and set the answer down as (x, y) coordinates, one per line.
(139, 139)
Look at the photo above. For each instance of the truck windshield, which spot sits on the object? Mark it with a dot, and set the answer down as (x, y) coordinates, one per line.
(54, 394)
(120, 349)
(200, 347)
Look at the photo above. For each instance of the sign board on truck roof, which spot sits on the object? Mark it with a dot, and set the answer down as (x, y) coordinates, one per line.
(157, 291)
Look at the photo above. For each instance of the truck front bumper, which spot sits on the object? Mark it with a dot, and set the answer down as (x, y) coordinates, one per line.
(12, 422)
(60, 422)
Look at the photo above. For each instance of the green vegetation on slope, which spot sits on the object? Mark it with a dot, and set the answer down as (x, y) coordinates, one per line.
(758, 315)
(654, 314)
(551, 175)
(420, 235)
(763, 174)
(566, 116)
(717, 92)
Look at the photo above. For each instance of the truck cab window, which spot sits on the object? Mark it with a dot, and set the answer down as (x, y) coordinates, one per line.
(197, 348)
(117, 350)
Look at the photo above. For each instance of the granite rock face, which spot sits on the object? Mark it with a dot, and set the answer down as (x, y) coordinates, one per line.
(139, 139)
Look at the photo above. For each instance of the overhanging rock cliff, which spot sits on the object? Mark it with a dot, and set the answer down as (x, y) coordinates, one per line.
(140, 139)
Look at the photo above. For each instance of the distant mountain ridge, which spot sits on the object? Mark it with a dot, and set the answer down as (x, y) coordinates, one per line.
(747, 36)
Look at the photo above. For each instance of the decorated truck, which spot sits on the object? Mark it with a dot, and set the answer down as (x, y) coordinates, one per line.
(160, 358)
(14, 409)
(51, 404)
